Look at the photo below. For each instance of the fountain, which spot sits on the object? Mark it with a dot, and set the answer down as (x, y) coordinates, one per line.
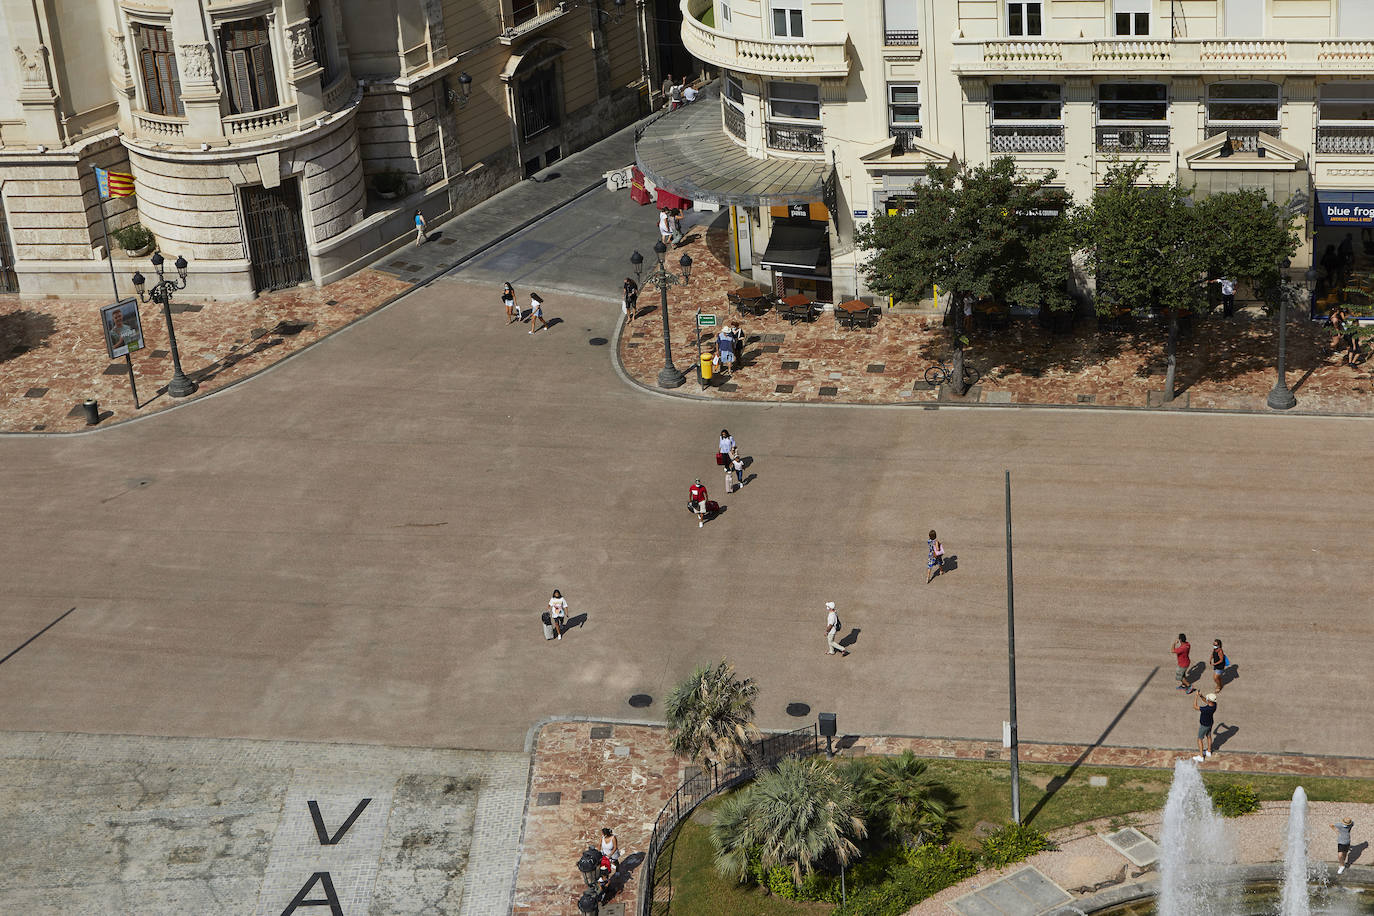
(1295, 900)
(1195, 850)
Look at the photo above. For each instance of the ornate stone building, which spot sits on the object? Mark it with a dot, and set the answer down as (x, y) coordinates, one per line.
(831, 111)
(277, 142)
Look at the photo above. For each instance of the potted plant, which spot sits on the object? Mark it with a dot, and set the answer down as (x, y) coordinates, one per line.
(135, 240)
(389, 185)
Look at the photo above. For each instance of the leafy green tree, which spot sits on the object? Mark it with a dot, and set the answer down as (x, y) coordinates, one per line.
(1247, 236)
(795, 816)
(974, 231)
(711, 714)
(1146, 251)
(912, 805)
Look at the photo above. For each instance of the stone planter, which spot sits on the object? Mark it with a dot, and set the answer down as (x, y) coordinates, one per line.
(138, 252)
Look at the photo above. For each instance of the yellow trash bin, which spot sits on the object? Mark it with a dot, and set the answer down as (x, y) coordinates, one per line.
(706, 359)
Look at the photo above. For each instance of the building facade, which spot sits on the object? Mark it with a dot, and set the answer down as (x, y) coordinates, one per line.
(867, 94)
(279, 142)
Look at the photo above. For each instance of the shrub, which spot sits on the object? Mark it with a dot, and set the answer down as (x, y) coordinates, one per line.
(1012, 843)
(925, 870)
(133, 237)
(1234, 799)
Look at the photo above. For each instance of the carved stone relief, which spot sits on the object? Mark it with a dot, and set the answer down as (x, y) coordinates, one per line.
(119, 52)
(302, 44)
(194, 61)
(31, 66)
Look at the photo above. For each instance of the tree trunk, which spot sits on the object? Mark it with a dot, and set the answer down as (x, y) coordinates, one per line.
(956, 382)
(1170, 352)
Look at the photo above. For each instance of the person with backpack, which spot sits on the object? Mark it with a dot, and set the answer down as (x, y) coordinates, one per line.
(832, 631)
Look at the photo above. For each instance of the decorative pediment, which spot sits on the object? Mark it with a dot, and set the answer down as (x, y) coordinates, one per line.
(902, 153)
(1228, 151)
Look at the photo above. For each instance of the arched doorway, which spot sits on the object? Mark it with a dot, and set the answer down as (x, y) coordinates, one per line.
(534, 81)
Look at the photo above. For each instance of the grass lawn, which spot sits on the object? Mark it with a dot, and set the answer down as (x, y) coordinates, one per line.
(984, 794)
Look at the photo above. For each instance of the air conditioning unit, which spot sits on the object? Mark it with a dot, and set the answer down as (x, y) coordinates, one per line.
(1130, 139)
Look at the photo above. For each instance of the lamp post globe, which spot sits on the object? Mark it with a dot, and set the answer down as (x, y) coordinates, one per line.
(161, 294)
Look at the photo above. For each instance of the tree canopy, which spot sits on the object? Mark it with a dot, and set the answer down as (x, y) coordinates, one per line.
(711, 714)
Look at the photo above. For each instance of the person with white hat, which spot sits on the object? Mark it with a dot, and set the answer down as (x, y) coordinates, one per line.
(832, 631)
(1205, 713)
(1342, 842)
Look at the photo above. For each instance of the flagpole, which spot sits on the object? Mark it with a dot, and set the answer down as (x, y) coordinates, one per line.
(114, 283)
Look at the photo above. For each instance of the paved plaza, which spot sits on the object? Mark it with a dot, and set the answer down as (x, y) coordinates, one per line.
(314, 585)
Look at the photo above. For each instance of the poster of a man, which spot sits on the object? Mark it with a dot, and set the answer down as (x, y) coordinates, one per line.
(123, 330)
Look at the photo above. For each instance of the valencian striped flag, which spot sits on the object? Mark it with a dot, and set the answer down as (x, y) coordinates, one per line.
(114, 184)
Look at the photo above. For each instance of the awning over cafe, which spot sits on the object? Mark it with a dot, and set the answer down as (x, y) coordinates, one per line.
(689, 153)
(793, 247)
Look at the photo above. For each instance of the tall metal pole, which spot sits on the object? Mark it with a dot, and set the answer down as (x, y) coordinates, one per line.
(1280, 396)
(1011, 670)
(109, 259)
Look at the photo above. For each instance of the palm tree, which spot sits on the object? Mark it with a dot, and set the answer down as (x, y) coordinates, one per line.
(914, 807)
(711, 714)
(794, 816)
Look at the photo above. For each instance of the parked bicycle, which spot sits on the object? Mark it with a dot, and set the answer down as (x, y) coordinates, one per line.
(943, 372)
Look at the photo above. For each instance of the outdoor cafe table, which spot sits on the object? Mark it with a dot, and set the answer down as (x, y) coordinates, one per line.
(797, 308)
(751, 300)
(849, 312)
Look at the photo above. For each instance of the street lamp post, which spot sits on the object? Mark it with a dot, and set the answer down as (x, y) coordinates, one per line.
(180, 386)
(660, 276)
(1280, 397)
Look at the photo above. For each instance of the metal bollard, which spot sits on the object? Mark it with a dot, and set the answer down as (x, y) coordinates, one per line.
(92, 408)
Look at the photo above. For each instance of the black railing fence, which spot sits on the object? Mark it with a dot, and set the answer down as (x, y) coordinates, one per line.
(656, 875)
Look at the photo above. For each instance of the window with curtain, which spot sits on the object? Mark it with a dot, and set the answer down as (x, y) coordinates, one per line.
(1132, 16)
(157, 65)
(794, 101)
(247, 49)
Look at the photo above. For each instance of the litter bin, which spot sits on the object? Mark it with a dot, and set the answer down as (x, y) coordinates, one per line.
(706, 359)
(548, 625)
(92, 408)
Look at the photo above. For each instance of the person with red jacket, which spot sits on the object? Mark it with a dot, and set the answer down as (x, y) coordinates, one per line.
(696, 499)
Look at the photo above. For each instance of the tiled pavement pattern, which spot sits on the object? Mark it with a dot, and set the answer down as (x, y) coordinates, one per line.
(52, 356)
(637, 773)
(1221, 364)
(119, 824)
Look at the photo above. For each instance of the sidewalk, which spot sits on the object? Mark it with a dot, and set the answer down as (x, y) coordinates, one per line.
(588, 775)
(1224, 364)
(52, 356)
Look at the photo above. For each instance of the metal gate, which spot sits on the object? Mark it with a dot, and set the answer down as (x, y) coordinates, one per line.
(276, 236)
(9, 280)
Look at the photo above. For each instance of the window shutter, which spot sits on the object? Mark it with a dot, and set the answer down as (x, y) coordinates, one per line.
(151, 89)
(240, 83)
(262, 75)
(174, 82)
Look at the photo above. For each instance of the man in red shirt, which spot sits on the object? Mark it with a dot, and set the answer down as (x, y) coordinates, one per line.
(697, 500)
(1181, 649)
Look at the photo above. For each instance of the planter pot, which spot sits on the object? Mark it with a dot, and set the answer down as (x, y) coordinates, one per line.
(137, 252)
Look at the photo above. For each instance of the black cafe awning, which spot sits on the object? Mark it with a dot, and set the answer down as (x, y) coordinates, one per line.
(795, 247)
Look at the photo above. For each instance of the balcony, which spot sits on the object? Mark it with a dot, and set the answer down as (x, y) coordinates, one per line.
(1243, 135)
(529, 16)
(1132, 139)
(159, 128)
(906, 136)
(974, 57)
(265, 123)
(795, 138)
(901, 37)
(1345, 139)
(1027, 138)
(766, 57)
(734, 120)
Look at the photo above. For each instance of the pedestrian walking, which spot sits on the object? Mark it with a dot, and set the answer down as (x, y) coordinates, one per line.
(610, 846)
(665, 226)
(1342, 842)
(697, 498)
(631, 301)
(727, 448)
(420, 234)
(675, 222)
(666, 88)
(832, 631)
(935, 557)
(725, 346)
(537, 312)
(737, 466)
(1206, 707)
(508, 300)
(558, 611)
(1181, 650)
(675, 96)
(1228, 295)
(738, 336)
(689, 92)
(1218, 661)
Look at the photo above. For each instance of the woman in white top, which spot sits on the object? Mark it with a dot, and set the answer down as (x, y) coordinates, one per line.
(610, 848)
(558, 611)
(508, 300)
(727, 444)
(537, 313)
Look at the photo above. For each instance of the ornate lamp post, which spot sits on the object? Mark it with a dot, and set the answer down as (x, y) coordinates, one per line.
(661, 277)
(1280, 397)
(161, 293)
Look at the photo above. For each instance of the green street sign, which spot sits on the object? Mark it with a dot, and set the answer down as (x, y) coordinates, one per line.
(706, 321)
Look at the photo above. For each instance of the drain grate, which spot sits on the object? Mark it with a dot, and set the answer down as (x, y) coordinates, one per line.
(549, 798)
(790, 364)
(35, 392)
(593, 796)
(601, 731)
(641, 701)
(798, 710)
(829, 391)
(783, 389)
(877, 368)
(598, 341)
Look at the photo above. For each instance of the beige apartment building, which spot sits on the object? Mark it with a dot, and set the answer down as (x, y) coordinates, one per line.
(279, 142)
(831, 111)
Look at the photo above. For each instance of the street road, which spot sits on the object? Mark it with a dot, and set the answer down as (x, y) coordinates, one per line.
(356, 547)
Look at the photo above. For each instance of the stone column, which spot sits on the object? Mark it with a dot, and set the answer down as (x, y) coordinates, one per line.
(975, 119)
(1080, 137)
(1186, 112)
(36, 95)
(305, 74)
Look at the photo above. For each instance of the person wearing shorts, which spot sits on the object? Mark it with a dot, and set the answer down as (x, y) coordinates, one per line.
(1218, 662)
(1342, 842)
(1181, 648)
(935, 557)
(1206, 712)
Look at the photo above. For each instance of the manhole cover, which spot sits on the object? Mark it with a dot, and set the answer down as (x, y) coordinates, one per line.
(797, 710)
(641, 700)
(598, 341)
